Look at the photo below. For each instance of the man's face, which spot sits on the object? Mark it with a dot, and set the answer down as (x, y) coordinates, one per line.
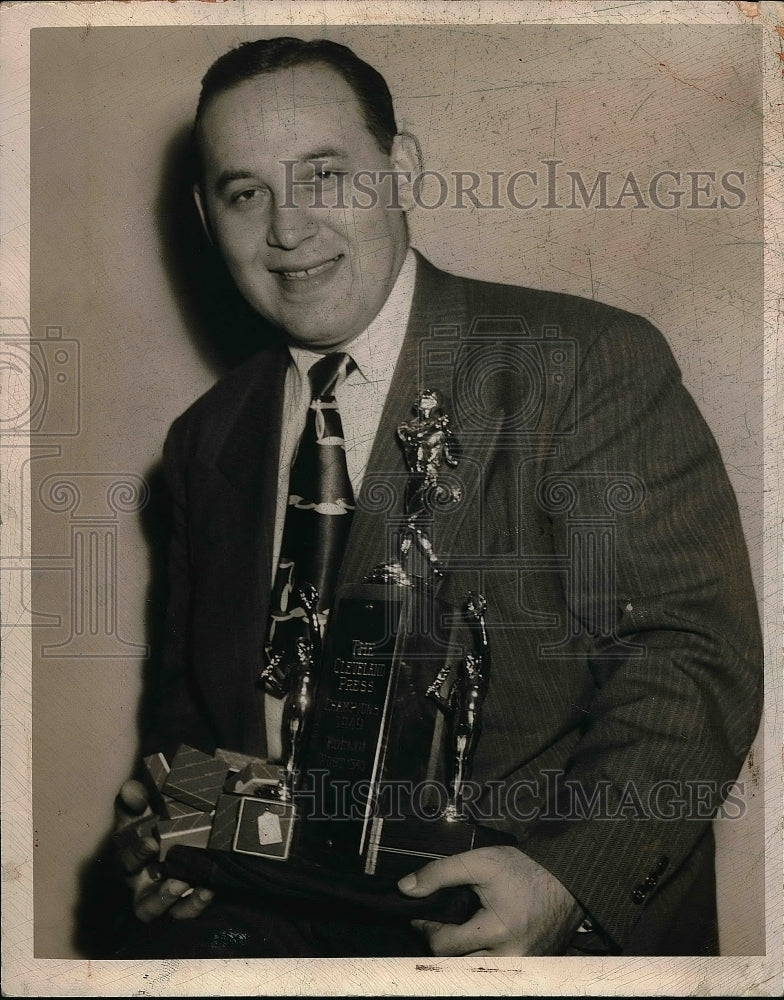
(320, 273)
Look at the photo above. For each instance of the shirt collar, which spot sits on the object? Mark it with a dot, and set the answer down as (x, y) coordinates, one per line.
(376, 349)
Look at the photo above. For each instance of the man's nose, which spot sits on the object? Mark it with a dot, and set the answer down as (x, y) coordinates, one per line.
(289, 225)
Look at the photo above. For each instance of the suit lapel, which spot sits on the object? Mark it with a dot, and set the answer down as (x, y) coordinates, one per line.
(439, 314)
(249, 461)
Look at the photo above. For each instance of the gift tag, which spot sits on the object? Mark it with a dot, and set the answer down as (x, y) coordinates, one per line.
(269, 829)
(263, 828)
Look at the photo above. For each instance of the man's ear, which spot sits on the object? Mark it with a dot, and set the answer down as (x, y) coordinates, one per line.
(202, 210)
(406, 157)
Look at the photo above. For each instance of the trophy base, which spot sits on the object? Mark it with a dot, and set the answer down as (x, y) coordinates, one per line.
(399, 847)
(316, 892)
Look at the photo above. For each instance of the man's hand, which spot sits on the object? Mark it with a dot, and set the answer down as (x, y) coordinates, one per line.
(152, 894)
(525, 909)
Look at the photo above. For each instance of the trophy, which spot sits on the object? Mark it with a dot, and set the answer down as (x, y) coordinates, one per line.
(382, 719)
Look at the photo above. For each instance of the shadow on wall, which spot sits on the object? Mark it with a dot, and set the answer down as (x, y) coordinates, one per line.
(224, 331)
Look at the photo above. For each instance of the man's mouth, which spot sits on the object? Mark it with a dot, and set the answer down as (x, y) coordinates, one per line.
(302, 274)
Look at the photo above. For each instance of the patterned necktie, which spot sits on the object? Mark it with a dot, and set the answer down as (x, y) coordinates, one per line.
(318, 519)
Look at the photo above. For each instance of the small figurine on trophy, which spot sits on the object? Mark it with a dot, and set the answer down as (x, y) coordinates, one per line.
(282, 656)
(428, 442)
(299, 702)
(463, 707)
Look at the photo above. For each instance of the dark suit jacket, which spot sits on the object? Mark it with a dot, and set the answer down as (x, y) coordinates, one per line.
(597, 519)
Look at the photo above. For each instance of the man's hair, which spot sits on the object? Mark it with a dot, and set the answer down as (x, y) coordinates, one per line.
(252, 59)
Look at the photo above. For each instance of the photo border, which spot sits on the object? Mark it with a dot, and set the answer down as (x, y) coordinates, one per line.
(25, 975)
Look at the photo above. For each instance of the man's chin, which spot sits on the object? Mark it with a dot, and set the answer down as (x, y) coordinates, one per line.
(316, 329)
(322, 338)
(325, 327)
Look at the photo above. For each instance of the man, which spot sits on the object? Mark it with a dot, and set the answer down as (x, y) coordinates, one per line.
(592, 511)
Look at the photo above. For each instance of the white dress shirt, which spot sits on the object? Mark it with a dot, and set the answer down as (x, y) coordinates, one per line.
(360, 399)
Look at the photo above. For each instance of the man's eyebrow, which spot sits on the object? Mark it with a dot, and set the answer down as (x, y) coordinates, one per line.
(227, 176)
(329, 152)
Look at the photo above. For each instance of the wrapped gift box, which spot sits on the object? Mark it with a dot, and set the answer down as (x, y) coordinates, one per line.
(263, 828)
(234, 760)
(191, 831)
(176, 810)
(196, 779)
(155, 773)
(224, 823)
(202, 797)
(256, 775)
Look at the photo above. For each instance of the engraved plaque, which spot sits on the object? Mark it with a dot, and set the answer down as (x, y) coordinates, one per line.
(372, 722)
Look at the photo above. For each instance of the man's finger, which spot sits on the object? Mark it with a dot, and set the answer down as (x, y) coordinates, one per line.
(481, 933)
(136, 854)
(159, 898)
(131, 802)
(192, 905)
(436, 875)
(427, 927)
